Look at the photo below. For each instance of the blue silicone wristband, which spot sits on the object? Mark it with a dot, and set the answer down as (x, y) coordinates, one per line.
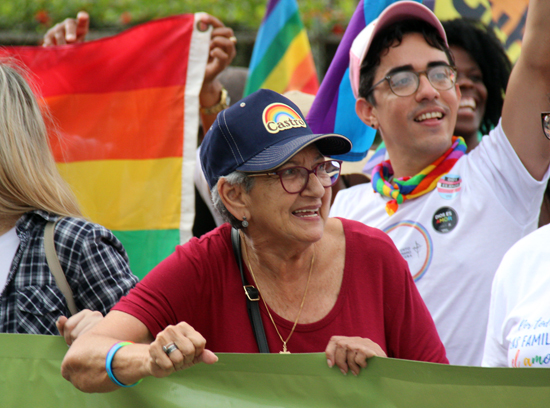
(109, 363)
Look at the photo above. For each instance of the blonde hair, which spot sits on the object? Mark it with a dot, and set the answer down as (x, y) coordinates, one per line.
(29, 179)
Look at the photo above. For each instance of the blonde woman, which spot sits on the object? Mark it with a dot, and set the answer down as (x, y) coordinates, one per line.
(32, 193)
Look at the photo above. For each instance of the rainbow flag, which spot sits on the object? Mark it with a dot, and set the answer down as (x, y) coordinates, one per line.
(333, 109)
(126, 109)
(282, 58)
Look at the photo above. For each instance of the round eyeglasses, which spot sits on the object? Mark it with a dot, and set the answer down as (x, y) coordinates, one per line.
(406, 83)
(294, 179)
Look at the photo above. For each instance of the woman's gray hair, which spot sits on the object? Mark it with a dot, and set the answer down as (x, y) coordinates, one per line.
(235, 178)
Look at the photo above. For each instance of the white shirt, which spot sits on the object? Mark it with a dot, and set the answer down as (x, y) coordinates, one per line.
(454, 237)
(9, 242)
(518, 333)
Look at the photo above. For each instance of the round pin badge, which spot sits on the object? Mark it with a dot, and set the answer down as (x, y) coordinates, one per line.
(445, 220)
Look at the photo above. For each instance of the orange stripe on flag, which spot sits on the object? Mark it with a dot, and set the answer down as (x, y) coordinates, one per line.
(141, 124)
(303, 75)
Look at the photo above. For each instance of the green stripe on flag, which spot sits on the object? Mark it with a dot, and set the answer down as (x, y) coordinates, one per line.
(274, 54)
(143, 258)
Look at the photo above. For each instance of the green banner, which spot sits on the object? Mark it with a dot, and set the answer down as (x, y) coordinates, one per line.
(30, 377)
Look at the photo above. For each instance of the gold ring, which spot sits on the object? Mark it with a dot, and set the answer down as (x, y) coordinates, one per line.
(233, 39)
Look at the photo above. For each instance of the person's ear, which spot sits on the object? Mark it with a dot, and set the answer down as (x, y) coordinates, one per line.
(366, 112)
(234, 198)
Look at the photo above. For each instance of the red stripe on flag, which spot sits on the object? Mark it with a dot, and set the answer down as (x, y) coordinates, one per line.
(102, 67)
(312, 86)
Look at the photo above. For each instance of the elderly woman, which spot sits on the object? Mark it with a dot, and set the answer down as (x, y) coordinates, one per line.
(325, 284)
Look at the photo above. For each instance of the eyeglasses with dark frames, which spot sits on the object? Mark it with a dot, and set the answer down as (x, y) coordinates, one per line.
(545, 118)
(295, 179)
(406, 83)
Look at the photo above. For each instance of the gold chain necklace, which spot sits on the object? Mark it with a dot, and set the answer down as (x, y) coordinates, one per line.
(285, 351)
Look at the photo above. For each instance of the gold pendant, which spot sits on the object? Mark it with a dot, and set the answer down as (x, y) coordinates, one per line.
(285, 351)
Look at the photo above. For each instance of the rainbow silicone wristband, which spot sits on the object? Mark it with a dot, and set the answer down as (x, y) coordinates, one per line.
(109, 363)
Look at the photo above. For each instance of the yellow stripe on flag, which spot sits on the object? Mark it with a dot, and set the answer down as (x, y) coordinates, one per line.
(114, 193)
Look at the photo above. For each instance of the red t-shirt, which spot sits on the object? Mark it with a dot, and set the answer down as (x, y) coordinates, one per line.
(200, 284)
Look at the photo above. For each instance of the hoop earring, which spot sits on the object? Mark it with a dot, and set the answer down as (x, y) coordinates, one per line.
(244, 223)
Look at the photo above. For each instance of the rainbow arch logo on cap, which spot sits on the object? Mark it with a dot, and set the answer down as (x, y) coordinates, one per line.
(278, 117)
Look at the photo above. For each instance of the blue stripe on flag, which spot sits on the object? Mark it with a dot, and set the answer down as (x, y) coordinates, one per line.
(348, 123)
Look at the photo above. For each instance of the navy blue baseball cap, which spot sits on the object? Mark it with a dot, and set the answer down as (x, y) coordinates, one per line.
(259, 133)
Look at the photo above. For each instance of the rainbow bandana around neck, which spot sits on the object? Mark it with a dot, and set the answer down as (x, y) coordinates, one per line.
(411, 187)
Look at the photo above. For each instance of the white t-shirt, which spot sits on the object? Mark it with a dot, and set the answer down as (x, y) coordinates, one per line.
(518, 333)
(9, 242)
(455, 236)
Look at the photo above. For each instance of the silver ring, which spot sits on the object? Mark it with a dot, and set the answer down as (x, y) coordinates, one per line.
(169, 348)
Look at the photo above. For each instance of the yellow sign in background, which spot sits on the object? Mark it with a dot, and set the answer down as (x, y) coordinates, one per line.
(506, 17)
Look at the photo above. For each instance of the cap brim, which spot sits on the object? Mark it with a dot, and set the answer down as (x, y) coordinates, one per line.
(274, 156)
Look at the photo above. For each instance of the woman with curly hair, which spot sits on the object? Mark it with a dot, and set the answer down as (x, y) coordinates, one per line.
(483, 69)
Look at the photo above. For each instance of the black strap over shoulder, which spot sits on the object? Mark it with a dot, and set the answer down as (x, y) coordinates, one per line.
(252, 296)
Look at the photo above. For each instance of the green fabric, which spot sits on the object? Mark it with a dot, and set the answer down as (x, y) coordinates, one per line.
(160, 244)
(29, 377)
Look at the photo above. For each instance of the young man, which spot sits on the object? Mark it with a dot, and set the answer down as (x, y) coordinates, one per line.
(452, 216)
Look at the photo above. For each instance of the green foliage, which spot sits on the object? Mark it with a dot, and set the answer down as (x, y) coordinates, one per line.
(38, 15)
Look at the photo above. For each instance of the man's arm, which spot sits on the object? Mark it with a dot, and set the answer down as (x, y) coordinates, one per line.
(528, 93)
